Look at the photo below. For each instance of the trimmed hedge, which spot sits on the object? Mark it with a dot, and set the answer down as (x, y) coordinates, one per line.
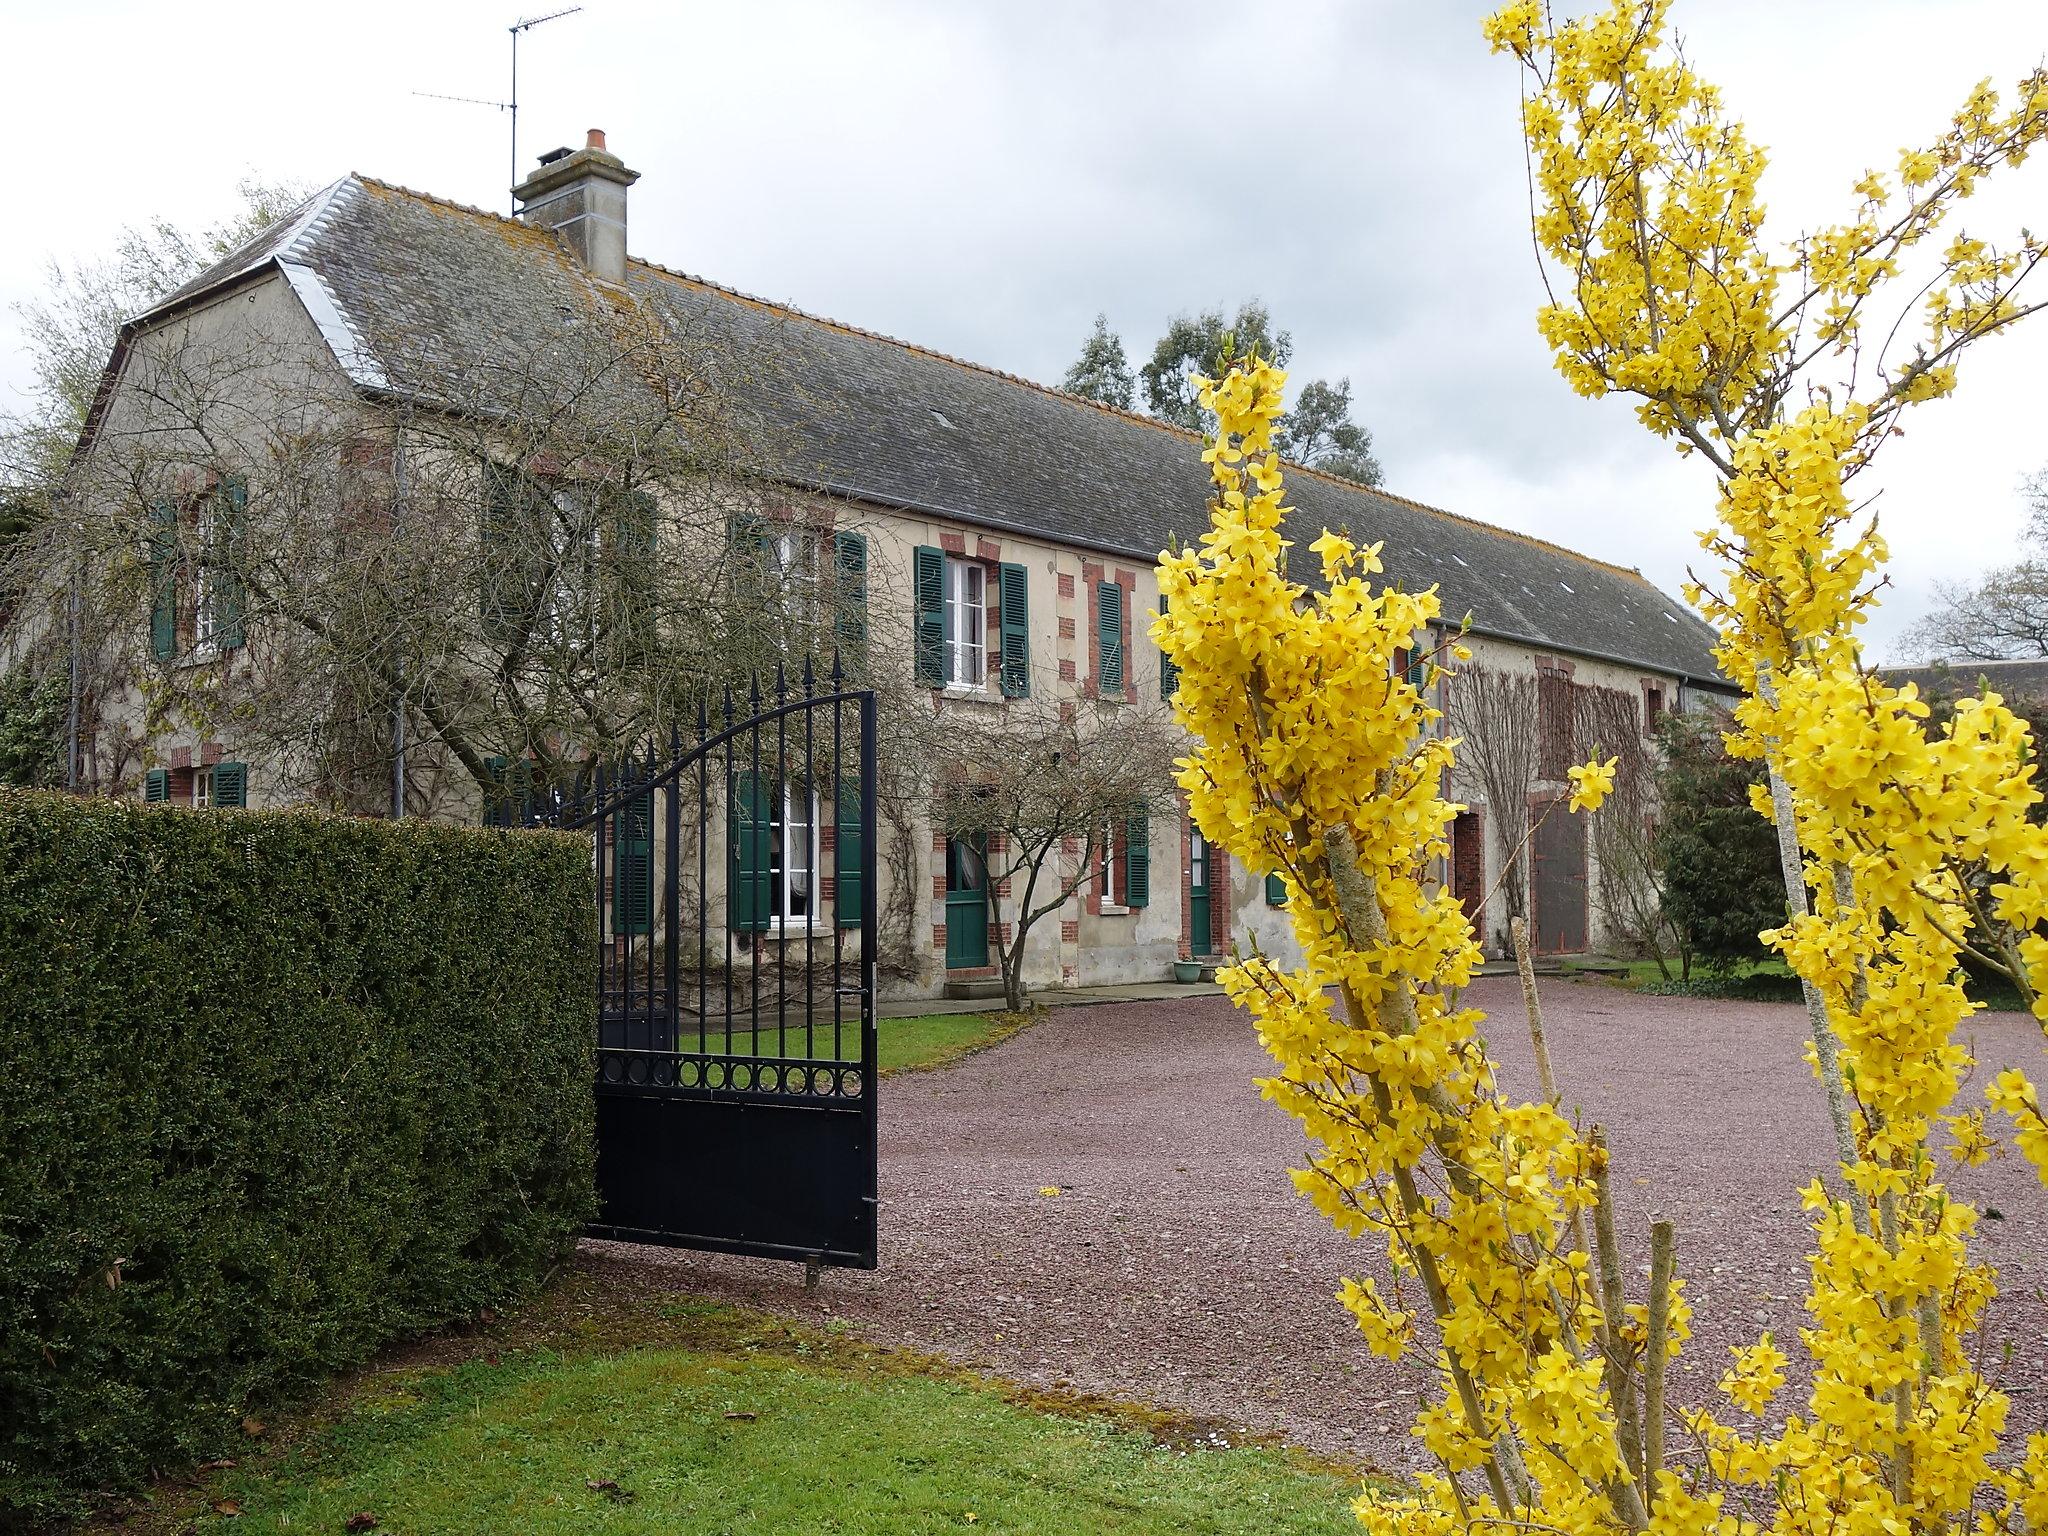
(275, 1088)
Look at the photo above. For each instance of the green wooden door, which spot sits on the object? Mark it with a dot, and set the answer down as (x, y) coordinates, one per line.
(1199, 941)
(966, 904)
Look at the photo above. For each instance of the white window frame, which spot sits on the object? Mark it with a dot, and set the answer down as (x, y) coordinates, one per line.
(785, 917)
(207, 585)
(572, 601)
(202, 788)
(1111, 877)
(966, 624)
(793, 565)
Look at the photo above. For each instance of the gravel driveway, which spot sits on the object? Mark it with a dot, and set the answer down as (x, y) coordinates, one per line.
(1177, 1266)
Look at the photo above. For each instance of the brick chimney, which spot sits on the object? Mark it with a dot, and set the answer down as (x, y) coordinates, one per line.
(582, 197)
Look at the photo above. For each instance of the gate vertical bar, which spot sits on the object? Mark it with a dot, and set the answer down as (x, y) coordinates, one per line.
(672, 921)
(870, 1099)
(815, 898)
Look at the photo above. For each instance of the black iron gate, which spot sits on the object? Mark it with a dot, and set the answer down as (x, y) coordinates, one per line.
(735, 877)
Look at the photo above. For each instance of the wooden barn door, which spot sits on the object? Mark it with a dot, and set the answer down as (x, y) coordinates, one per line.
(1468, 865)
(1560, 882)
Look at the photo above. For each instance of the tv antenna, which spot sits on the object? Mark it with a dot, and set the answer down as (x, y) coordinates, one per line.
(526, 24)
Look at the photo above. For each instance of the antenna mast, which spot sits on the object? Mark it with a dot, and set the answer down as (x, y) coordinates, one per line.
(517, 27)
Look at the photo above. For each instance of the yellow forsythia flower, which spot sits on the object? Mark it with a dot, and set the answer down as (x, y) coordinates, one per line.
(1592, 782)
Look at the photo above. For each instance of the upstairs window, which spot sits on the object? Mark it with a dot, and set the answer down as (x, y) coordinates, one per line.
(966, 624)
(1553, 720)
(198, 553)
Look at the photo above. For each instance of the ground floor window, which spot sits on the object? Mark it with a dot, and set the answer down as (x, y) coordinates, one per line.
(774, 872)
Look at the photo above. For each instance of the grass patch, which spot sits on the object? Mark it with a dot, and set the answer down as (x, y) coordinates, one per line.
(658, 1417)
(901, 1045)
(934, 1039)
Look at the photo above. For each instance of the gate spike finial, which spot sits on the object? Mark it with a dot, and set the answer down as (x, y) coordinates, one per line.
(838, 671)
(810, 676)
(781, 683)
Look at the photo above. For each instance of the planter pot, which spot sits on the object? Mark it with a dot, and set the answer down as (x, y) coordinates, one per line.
(1186, 971)
(1210, 965)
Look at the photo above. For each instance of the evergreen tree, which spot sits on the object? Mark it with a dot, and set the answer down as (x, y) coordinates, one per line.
(1203, 344)
(1722, 884)
(1102, 373)
(1318, 432)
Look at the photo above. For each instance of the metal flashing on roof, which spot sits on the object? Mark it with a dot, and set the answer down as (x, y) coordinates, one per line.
(349, 349)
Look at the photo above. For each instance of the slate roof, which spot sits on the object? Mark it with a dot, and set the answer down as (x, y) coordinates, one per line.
(409, 289)
(2011, 679)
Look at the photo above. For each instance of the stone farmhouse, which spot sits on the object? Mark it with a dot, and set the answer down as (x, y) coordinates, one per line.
(1002, 534)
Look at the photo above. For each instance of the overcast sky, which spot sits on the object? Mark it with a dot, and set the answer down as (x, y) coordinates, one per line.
(982, 178)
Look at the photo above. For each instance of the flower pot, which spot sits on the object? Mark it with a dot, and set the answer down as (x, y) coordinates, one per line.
(1186, 971)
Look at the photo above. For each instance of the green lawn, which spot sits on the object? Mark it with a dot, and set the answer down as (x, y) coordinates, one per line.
(752, 1425)
(901, 1044)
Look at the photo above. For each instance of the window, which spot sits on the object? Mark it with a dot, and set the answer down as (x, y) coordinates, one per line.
(217, 786)
(197, 594)
(1123, 878)
(1553, 719)
(790, 555)
(966, 625)
(1653, 706)
(1109, 638)
(212, 585)
(1111, 881)
(793, 851)
(774, 876)
(572, 616)
(1169, 669)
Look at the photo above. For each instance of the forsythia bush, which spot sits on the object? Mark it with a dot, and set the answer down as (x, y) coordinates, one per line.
(1317, 760)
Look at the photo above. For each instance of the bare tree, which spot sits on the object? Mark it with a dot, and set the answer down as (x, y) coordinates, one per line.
(1608, 723)
(2003, 616)
(1494, 714)
(540, 554)
(1051, 790)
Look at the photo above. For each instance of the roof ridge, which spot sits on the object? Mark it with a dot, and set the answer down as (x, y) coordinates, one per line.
(1135, 417)
(444, 202)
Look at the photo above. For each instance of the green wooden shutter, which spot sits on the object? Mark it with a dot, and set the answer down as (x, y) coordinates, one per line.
(1276, 890)
(930, 639)
(851, 628)
(1137, 858)
(231, 784)
(1109, 637)
(501, 794)
(498, 536)
(156, 787)
(847, 862)
(230, 550)
(748, 891)
(635, 585)
(1014, 600)
(1169, 669)
(163, 579)
(633, 867)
